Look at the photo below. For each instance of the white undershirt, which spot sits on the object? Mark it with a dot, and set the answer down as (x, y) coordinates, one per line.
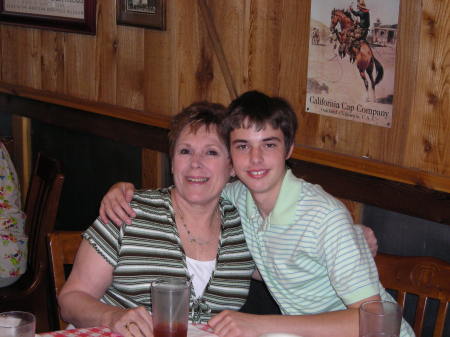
(200, 272)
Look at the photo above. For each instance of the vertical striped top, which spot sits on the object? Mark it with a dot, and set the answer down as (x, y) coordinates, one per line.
(150, 248)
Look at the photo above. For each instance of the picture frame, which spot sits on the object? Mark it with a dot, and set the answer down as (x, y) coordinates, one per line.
(142, 13)
(68, 16)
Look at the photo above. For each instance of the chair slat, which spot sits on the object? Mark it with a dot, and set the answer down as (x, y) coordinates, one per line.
(401, 298)
(63, 247)
(420, 314)
(440, 321)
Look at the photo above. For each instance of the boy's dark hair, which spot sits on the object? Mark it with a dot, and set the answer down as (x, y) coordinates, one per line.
(254, 108)
(195, 116)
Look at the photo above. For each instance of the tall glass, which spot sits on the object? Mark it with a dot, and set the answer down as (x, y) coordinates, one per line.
(17, 324)
(170, 307)
(380, 319)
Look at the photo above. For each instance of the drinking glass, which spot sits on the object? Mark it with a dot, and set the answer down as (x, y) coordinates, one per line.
(380, 319)
(170, 307)
(17, 324)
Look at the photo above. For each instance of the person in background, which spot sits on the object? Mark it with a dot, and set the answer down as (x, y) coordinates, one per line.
(13, 241)
(185, 231)
(315, 262)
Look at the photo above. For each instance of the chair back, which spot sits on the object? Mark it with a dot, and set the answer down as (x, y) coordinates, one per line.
(426, 277)
(9, 144)
(31, 291)
(41, 209)
(63, 247)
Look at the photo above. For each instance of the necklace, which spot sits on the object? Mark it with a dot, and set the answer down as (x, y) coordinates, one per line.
(191, 237)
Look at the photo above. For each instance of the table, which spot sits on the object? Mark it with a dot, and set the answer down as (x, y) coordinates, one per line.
(197, 330)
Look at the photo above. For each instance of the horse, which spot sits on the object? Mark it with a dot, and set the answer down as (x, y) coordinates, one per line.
(315, 36)
(359, 50)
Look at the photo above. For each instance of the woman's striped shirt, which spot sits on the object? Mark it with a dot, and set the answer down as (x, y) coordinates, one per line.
(150, 248)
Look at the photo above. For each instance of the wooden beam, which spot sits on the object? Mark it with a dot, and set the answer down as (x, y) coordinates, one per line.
(105, 109)
(218, 49)
(125, 131)
(403, 198)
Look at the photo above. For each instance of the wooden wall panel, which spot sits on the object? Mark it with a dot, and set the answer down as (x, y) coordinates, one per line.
(10, 53)
(429, 134)
(79, 66)
(52, 61)
(106, 53)
(29, 58)
(148, 75)
(157, 67)
(130, 68)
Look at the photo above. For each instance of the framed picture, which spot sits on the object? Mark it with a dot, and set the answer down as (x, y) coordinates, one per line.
(142, 13)
(77, 16)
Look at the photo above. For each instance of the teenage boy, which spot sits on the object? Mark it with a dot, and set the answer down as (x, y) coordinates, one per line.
(315, 263)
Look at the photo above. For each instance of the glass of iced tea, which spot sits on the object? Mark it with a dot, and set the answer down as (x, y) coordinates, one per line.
(170, 307)
(380, 319)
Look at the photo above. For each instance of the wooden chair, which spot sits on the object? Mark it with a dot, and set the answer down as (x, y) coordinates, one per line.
(30, 292)
(63, 247)
(9, 145)
(426, 277)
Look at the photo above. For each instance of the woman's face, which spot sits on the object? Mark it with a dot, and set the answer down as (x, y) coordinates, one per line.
(201, 165)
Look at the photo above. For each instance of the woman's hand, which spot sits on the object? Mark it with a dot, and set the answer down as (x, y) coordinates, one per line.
(115, 205)
(136, 322)
(371, 239)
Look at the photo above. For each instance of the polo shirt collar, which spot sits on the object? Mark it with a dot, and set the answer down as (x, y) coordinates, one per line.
(284, 211)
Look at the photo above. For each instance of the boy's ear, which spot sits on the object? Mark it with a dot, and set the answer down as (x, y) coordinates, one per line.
(289, 153)
(232, 172)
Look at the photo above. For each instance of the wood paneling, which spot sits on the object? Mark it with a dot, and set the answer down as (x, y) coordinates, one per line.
(429, 134)
(141, 74)
(106, 57)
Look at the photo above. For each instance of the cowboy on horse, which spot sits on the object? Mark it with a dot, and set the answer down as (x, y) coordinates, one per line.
(352, 41)
(362, 28)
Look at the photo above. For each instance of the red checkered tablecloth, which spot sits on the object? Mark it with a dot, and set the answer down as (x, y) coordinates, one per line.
(87, 332)
(197, 330)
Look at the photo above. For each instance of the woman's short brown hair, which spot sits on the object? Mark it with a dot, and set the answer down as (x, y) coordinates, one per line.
(195, 116)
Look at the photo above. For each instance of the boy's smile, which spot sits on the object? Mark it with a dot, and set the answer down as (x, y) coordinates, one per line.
(259, 162)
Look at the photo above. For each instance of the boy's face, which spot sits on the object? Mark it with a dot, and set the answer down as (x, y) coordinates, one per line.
(259, 159)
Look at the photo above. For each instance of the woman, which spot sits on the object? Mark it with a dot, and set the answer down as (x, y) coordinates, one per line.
(13, 241)
(183, 230)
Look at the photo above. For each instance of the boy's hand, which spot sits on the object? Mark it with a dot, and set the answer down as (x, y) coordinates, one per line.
(236, 324)
(371, 239)
(115, 205)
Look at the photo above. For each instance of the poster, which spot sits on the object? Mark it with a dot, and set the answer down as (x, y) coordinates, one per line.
(351, 61)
